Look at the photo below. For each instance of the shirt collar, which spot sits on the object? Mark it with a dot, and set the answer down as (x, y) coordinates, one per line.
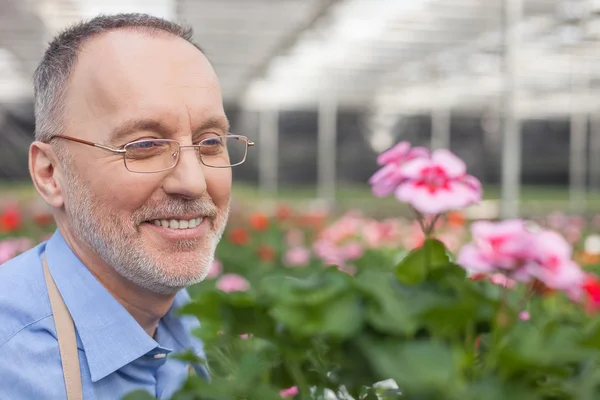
(110, 336)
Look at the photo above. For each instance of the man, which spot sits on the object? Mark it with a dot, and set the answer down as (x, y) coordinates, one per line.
(133, 154)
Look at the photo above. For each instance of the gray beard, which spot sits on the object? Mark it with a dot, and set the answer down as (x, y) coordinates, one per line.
(121, 250)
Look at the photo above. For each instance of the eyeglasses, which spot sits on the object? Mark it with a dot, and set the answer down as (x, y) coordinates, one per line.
(156, 155)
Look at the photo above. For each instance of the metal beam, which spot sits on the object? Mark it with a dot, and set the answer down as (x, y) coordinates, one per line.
(327, 148)
(511, 144)
(320, 12)
(268, 151)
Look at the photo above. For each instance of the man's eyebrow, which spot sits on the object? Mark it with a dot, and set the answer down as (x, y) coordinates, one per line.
(137, 125)
(220, 123)
(146, 124)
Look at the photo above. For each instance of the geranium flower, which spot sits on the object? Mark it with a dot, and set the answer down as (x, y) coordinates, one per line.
(437, 184)
(385, 181)
(232, 283)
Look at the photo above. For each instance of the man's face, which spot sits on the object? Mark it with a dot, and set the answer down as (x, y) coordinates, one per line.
(129, 86)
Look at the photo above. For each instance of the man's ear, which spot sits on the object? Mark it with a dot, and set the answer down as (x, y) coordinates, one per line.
(44, 173)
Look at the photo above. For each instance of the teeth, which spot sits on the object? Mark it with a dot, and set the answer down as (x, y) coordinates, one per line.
(177, 224)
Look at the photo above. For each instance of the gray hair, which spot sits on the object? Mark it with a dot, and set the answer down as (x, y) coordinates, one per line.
(52, 75)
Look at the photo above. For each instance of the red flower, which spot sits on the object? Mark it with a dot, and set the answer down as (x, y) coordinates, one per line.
(43, 219)
(259, 222)
(10, 220)
(266, 253)
(283, 212)
(591, 287)
(455, 219)
(239, 236)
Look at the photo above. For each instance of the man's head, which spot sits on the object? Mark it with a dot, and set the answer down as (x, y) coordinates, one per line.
(115, 80)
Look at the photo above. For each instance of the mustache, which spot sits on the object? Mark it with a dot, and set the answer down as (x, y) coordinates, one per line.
(172, 207)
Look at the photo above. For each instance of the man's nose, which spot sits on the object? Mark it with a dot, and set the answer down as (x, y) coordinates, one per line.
(187, 177)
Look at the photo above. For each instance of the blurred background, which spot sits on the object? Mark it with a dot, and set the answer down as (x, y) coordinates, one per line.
(323, 86)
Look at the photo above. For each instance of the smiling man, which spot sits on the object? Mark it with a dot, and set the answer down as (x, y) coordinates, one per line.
(134, 155)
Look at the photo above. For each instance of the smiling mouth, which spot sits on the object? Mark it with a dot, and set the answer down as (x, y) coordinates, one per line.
(177, 223)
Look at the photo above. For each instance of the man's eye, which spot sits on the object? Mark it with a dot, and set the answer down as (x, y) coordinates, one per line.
(216, 141)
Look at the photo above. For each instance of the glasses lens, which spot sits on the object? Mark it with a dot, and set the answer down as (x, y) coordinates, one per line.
(150, 155)
(223, 151)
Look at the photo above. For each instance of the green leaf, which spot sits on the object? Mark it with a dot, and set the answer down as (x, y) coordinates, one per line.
(387, 310)
(413, 269)
(320, 287)
(340, 317)
(418, 367)
(529, 347)
(491, 388)
(139, 395)
(592, 334)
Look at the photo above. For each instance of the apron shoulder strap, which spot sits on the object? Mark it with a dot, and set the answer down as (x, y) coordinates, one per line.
(67, 341)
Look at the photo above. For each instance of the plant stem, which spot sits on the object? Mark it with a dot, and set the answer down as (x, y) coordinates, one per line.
(420, 221)
(432, 225)
(299, 378)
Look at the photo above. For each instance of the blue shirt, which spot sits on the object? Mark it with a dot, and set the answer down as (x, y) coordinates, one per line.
(116, 355)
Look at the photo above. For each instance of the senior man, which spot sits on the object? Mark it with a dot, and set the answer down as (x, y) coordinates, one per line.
(133, 154)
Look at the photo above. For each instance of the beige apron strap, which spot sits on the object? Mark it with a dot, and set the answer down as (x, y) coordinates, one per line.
(67, 341)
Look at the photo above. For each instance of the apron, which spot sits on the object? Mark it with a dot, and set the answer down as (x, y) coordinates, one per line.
(67, 341)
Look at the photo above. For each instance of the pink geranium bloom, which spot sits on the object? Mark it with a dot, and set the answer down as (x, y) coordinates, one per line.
(297, 256)
(289, 392)
(509, 249)
(524, 316)
(378, 234)
(385, 181)
(504, 246)
(232, 283)
(400, 153)
(438, 184)
(552, 263)
(352, 251)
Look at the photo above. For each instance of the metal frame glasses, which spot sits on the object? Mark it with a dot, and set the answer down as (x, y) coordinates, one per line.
(155, 148)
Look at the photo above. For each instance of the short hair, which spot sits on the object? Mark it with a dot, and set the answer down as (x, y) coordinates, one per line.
(51, 77)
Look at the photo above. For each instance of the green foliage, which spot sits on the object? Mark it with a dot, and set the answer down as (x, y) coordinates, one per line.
(411, 317)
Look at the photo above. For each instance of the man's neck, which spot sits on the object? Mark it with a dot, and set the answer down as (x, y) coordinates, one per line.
(146, 307)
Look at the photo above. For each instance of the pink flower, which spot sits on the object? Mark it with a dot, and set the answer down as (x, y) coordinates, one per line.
(244, 336)
(509, 249)
(328, 252)
(552, 263)
(400, 153)
(385, 181)
(504, 246)
(352, 251)
(524, 316)
(232, 283)
(215, 270)
(289, 392)
(438, 184)
(378, 234)
(10, 248)
(297, 256)
(502, 280)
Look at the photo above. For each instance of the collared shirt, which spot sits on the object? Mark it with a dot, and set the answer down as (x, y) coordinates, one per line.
(116, 354)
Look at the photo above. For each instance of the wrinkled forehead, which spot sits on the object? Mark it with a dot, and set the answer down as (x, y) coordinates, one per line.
(126, 75)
